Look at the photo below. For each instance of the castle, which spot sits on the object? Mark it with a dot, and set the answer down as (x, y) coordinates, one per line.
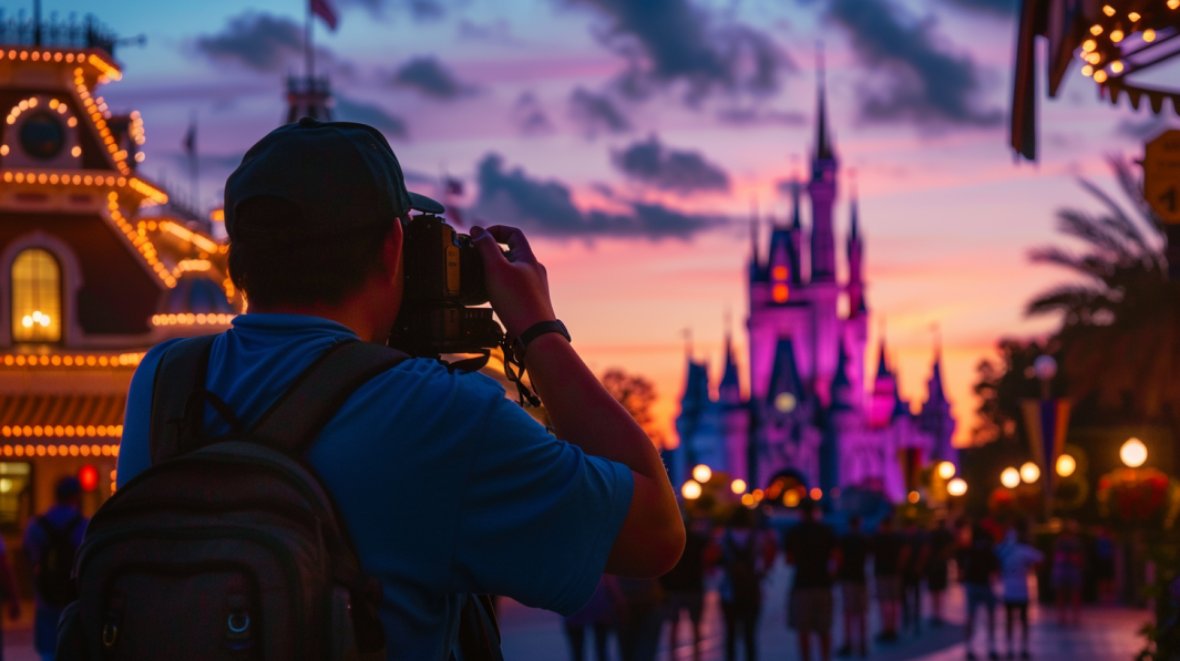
(808, 414)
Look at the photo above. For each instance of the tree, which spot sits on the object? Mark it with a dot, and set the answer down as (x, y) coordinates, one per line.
(636, 394)
(1120, 321)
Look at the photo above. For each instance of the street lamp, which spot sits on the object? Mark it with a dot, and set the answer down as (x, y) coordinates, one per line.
(956, 487)
(691, 490)
(946, 470)
(1133, 453)
(1066, 465)
(1030, 472)
(738, 486)
(1010, 477)
(701, 473)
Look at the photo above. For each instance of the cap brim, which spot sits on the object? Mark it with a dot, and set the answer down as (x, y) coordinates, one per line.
(425, 204)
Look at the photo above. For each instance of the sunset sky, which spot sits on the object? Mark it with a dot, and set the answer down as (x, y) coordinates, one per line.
(633, 139)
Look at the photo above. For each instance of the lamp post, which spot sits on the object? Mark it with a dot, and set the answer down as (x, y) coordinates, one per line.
(1046, 420)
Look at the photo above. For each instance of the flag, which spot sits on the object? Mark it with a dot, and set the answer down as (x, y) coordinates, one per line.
(323, 9)
(190, 140)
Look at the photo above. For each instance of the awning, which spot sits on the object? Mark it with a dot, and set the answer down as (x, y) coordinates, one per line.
(62, 418)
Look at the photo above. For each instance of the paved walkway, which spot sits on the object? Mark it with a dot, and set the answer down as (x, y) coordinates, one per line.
(1106, 634)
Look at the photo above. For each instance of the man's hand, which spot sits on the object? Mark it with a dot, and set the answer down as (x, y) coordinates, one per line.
(517, 284)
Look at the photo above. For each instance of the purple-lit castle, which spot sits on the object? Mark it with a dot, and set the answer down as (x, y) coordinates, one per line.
(808, 414)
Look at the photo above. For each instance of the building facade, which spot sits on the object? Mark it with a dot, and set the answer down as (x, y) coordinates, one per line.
(809, 409)
(95, 266)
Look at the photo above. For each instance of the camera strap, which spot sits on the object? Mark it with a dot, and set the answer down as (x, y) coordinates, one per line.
(514, 371)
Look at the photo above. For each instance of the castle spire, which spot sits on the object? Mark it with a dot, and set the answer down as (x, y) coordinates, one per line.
(729, 388)
(796, 212)
(823, 142)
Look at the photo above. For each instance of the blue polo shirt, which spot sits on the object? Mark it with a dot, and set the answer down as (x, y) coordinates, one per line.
(446, 487)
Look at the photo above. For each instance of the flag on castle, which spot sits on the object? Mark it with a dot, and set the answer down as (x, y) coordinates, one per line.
(324, 9)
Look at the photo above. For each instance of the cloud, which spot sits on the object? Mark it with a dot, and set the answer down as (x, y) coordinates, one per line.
(1142, 129)
(684, 172)
(498, 31)
(752, 116)
(258, 41)
(913, 76)
(997, 7)
(528, 116)
(421, 10)
(351, 110)
(429, 77)
(547, 208)
(671, 42)
(597, 113)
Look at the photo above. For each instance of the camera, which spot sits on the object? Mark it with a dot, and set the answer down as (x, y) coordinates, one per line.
(444, 283)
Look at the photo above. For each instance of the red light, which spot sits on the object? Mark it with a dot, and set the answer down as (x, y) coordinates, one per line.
(88, 476)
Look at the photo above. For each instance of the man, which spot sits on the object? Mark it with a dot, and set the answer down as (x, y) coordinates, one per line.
(850, 572)
(745, 554)
(979, 566)
(809, 547)
(1017, 559)
(50, 543)
(887, 548)
(941, 543)
(914, 555)
(446, 487)
(684, 586)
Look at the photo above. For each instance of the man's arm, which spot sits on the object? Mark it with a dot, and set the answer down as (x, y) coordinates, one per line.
(581, 410)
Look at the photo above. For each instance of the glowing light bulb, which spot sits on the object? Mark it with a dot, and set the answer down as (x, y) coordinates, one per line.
(738, 486)
(1116, 36)
(701, 473)
(1100, 76)
(956, 487)
(1134, 452)
(1030, 472)
(1066, 465)
(1149, 35)
(691, 490)
(1116, 66)
(1010, 477)
(1134, 16)
(1087, 71)
(1095, 30)
(1089, 45)
(1108, 10)
(946, 470)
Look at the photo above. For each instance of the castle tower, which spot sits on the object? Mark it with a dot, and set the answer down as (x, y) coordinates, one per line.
(735, 423)
(884, 397)
(935, 417)
(822, 288)
(856, 326)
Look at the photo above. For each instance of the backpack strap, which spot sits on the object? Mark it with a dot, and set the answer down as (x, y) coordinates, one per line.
(292, 423)
(178, 387)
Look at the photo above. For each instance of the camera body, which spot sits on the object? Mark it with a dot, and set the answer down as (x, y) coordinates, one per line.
(444, 281)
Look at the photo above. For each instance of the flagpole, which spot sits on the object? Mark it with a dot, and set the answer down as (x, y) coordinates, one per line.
(308, 50)
(194, 169)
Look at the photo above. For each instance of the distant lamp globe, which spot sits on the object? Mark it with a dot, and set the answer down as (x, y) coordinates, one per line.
(1030, 472)
(956, 487)
(1066, 465)
(701, 473)
(913, 497)
(738, 486)
(946, 470)
(691, 490)
(1010, 477)
(1133, 453)
(1045, 367)
(785, 402)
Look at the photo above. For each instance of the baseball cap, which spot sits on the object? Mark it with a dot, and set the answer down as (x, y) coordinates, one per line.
(341, 176)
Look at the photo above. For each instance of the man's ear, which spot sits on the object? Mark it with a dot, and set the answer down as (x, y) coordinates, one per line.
(391, 250)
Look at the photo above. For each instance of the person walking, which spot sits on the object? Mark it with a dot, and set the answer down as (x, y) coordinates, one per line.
(979, 568)
(913, 565)
(50, 542)
(600, 615)
(1069, 565)
(851, 554)
(744, 558)
(810, 546)
(941, 546)
(642, 613)
(1017, 558)
(684, 586)
(886, 549)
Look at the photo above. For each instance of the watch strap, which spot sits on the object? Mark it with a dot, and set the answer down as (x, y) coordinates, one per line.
(536, 330)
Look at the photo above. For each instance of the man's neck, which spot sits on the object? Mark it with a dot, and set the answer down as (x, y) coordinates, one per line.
(346, 315)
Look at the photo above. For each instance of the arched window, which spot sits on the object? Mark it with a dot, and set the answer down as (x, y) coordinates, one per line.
(36, 297)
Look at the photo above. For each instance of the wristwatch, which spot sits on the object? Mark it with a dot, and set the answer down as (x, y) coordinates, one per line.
(521, 343)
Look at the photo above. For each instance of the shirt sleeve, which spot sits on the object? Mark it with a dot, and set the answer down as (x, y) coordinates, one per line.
(134, 448)
(538, 516)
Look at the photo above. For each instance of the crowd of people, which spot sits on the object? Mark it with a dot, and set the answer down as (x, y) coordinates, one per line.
(842, 571)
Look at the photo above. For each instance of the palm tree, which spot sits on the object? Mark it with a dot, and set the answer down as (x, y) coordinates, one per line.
(1120, 321)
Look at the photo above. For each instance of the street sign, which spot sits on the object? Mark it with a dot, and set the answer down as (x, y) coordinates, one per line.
(1161, 175)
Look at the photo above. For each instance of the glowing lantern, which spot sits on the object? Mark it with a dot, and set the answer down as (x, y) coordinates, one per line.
(88, 477)
(701, 473)
(946, 470)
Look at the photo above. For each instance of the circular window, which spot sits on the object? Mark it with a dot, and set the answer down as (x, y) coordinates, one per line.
(42, 135)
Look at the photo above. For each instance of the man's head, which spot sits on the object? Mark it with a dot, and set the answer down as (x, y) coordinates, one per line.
(310, 213)
(67, 491)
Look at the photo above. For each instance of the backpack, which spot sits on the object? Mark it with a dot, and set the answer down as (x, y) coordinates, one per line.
(53, 570)
(228, 548)
(741, 568)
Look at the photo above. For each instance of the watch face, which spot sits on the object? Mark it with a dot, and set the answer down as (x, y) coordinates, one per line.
(42, 136)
